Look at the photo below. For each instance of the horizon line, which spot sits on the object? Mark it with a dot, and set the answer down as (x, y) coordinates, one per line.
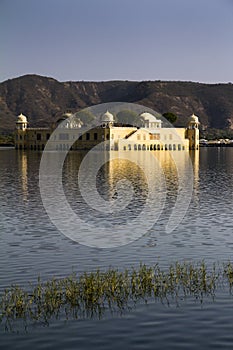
(116, 79)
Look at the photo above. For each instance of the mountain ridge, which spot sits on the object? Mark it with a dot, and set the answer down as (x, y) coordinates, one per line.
(43, 99)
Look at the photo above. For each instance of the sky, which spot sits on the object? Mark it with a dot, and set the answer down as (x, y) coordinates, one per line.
(99, 40)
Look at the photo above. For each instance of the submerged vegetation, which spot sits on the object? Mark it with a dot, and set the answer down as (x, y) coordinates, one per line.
(90, 294)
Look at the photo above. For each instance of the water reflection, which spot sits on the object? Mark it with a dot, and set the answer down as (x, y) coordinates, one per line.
(121, 194)
(195, 157)
(31, 245)
(115, 170)
(126, 184)
(23, 167)
(128, 181)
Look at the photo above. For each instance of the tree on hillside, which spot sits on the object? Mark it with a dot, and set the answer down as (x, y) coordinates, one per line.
(85, 116)
(126, 117)
(171, 117)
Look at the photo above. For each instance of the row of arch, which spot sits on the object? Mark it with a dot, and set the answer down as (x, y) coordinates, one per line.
(32, 148)
(155, 147)
(129, 147)
(63, 147)
(37, 147)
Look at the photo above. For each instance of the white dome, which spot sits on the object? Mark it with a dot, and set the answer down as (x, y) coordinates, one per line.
(22, 119)
(148, 116)
(66, 115)
(193, 119)
(107, 117)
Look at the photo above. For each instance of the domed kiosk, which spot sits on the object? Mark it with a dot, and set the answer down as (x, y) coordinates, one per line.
(150, 121)
(69, 121)
(194, 121)
(107, 119)
(22, 122)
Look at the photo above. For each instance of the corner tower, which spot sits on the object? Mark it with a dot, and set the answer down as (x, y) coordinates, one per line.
(193, 132)
(20, 133)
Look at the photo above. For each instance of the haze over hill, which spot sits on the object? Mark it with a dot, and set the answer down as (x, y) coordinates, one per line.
(43, 99)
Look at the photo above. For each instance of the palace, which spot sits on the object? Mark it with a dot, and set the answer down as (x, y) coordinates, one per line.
(70, 133)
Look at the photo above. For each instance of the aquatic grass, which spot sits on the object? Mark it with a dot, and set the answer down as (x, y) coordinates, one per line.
(91, 294)
(228, 273)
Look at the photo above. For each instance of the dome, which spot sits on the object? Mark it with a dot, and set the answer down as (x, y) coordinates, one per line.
(193, 119)
(66, 115)
(63, 117)
(148, 116)
(22, 119)
(107, 117)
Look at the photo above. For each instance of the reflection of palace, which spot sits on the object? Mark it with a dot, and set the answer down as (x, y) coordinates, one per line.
(69, 134)
(195, 161)
(24, 175)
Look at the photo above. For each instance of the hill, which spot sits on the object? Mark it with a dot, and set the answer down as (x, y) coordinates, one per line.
(44, 99)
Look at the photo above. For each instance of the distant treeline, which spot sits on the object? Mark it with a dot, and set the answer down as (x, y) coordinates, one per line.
(7, 140)
(216, 134)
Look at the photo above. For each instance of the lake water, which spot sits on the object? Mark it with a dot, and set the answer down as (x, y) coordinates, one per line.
(30, 245)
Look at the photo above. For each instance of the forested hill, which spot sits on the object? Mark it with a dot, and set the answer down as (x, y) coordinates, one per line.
(44, 99)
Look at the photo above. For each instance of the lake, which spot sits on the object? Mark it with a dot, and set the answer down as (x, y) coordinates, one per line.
(31, 245)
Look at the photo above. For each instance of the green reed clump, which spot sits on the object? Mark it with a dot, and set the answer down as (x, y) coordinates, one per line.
(89, 294)
(194, 279)
(15, 303)
(228, 272)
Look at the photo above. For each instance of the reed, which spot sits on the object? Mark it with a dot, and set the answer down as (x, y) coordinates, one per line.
(90, 294)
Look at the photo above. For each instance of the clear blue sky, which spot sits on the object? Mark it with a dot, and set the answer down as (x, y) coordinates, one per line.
(117, 39)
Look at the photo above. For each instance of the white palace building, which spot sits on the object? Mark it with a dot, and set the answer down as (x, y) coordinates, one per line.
(70, 134)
